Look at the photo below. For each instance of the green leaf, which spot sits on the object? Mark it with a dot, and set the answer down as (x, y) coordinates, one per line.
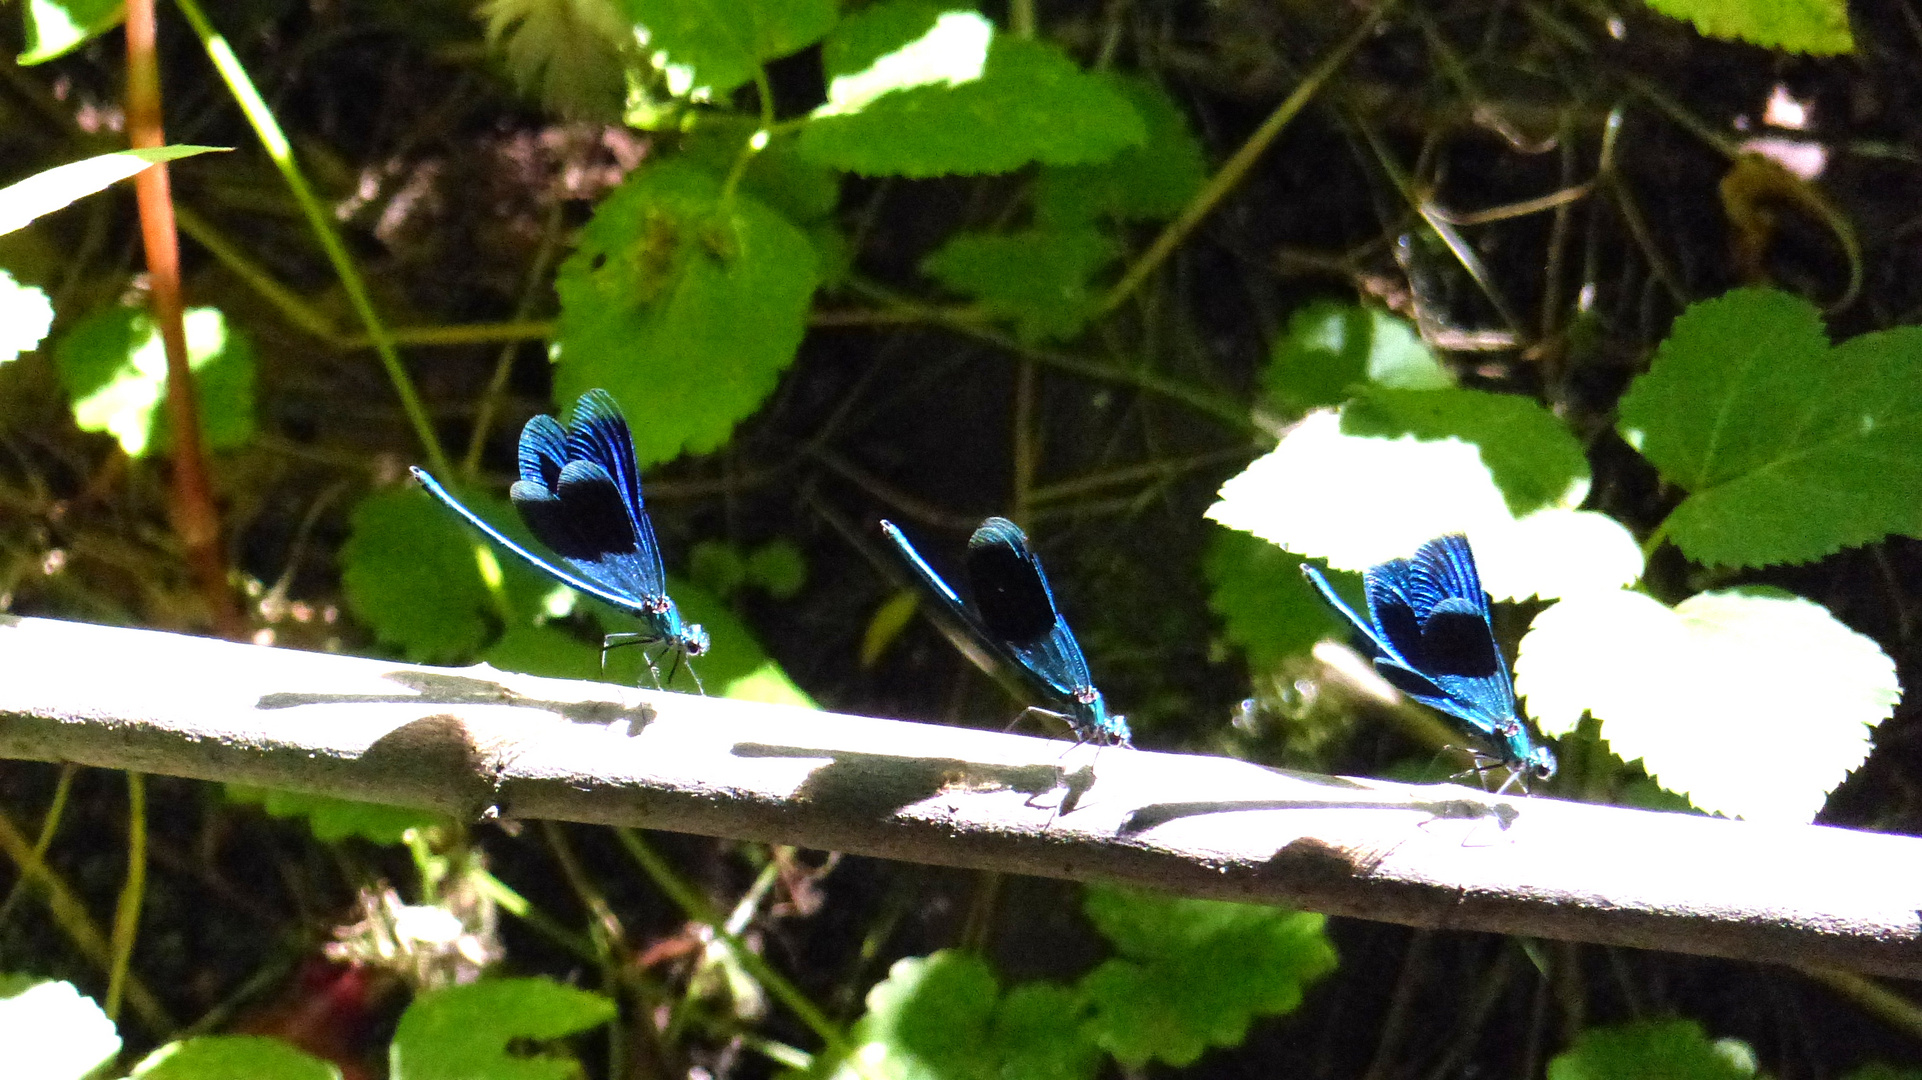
(1807, 26)
(25, 317)
(57, 27)
(918, 91)
(943, 1017)
(1041, 278)
(566, 53)
(1652, 1050)
(477, 1031)
(709, 47)
(1266, 607)
(1789, 450)
(1533, 457)
(331, 819)
(414, 574)
(805, 191)
(683, 305)
(1331, 348)
(233, 1057)
(1034, 1041)
(1358, 501)
(114, 368)
(1195, 973)
(51, 1030)
(718, 566)
(779, 568)
(45, 192)
(1753, 702)
(1153, 181)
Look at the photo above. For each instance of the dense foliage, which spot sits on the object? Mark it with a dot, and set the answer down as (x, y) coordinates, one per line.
(1194, 292)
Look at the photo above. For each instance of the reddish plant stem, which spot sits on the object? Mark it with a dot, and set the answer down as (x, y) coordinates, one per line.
(195, 517)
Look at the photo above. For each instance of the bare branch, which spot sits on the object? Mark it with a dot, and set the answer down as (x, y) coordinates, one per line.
(476, 741)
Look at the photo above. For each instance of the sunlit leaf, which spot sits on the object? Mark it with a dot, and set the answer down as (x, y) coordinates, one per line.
(1533, 457)
(45, 192)
(57, 27)
(708, 48)
(114, 368)
(52, 1031)
(1358, 501)
(25, 317)
(1752, 702)
(1332, 349)
(918, 91)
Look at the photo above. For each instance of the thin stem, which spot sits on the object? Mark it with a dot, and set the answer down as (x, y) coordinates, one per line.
(70, 914)
(696, 907)
(274, 141)
(1236, 167)
(49, 825)
(126, 913)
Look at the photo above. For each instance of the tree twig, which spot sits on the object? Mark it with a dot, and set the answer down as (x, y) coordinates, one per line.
(475, 742)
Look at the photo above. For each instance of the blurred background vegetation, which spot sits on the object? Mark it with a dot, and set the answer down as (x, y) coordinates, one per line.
(1082, 286)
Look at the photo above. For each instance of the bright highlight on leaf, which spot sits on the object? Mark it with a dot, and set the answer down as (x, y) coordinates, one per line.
(1331, 349)
(1789, 449)
(685, 305)
(57, 27)
(25, 317)
(952, 52)
(710, 48)
(51, 1030)
(219, 1057)
(1754, 703)
(929, 113)
(43, 193)
(114, 368)
(1358, 501)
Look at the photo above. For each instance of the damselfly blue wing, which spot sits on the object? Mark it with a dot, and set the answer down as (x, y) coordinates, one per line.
(1011, 619)
(1431, 635)
(580, 495)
